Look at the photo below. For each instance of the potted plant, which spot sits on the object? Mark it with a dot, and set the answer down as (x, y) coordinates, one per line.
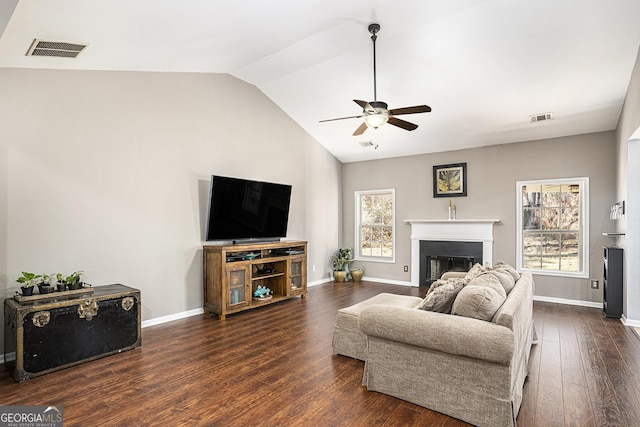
(357, 273)
(27, 282)
(72, 280)
(340, 261)
(58, 280)
(46, 283)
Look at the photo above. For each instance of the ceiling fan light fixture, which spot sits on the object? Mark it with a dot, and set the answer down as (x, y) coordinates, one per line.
(376, 113)
(376, 120)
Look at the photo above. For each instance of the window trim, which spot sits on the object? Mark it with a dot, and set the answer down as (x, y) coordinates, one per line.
(584, 227)
(357, 255)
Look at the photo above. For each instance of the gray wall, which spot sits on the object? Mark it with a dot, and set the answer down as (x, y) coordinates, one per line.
(108, 172)
(492, 173)
(628, 157)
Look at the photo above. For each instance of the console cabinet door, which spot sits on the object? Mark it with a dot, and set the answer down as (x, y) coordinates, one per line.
(297, 275)
(238, 289)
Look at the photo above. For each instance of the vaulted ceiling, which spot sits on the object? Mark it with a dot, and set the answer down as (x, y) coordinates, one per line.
(483, 66)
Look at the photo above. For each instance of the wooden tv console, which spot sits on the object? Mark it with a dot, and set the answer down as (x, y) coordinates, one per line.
(232, 273)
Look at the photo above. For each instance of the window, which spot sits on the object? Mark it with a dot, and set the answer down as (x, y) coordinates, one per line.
(553, 224)
(375, 225)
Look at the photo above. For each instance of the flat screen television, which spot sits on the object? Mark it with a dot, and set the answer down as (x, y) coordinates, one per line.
(241, 209)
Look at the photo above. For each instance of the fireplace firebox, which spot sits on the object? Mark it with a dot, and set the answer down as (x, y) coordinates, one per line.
(438, 257)
(478, 231)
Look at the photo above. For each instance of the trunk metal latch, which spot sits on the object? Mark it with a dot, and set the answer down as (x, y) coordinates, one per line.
(87, 309)
(127, 303)
(41, 318)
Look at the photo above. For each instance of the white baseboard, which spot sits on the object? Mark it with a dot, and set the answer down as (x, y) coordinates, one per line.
(365, 278)
(388, 281)
(568, 301)
(630, 322)
(318, 282)
(171, 317)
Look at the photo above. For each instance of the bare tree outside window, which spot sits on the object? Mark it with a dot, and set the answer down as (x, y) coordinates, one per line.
(375, 224)
(552, 230)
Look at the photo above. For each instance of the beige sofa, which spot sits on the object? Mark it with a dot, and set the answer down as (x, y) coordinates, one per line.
(470, 369)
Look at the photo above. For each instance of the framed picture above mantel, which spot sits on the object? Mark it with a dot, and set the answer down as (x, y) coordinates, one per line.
(450, 180)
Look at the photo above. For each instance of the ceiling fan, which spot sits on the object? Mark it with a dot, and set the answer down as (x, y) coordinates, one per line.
(376, 113)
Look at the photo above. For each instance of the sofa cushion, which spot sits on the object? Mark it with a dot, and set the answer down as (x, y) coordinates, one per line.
(441, 295)
(480, 299)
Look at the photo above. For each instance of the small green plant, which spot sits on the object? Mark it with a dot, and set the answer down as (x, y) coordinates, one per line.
(341, 258)
(48, 279)
(73, 278)
(28, 280)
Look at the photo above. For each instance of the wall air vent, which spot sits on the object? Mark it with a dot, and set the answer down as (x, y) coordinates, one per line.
(540, 117)
(59, 49)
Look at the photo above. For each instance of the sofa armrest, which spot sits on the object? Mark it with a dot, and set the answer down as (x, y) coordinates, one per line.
(446, 333)
(454, 275)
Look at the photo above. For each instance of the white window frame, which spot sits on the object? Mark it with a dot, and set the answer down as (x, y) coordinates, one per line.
(357, 255)
(583, 232)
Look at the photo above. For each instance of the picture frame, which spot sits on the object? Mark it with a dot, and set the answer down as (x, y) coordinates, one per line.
(450, 180)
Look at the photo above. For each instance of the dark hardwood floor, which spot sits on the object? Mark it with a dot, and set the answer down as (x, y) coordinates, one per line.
(274, 367)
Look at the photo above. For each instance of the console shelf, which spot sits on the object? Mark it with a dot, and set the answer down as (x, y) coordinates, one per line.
(233, 272)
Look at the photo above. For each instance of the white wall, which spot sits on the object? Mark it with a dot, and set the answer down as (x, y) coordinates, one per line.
(108, 172)
(628, 161)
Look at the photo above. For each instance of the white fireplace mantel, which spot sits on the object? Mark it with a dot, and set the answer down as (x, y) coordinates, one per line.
(457, 230)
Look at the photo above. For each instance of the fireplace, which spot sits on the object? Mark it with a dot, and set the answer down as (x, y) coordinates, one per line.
(438, 257)
(461, 242)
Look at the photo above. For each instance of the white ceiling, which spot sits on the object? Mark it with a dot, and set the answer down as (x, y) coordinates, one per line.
(483, 66)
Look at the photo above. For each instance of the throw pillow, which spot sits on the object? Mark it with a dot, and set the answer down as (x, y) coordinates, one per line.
(491, 280)
(475, 271)
(441, 295)
(503, 276)
(480, 299)
(508, 268)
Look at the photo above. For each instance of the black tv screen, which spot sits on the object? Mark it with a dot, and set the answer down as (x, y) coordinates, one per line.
(241, 209)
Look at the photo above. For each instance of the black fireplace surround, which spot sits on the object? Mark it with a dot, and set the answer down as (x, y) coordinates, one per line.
(437, 257)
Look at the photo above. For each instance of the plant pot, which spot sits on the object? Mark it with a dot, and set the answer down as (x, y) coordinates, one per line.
(339, 276)
(40, 286)
(27, 292)
(356, 275)
(61, 287)
(74, 286)
(46, 289)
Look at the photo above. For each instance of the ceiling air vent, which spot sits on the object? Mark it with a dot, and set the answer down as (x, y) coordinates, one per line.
(59, 49)
(367, 144)
(540, 117)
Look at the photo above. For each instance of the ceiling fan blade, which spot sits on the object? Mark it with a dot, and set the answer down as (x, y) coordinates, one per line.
(402, 123)
(364, 104)
(340, 118)
(410, 110)
(360, 129)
